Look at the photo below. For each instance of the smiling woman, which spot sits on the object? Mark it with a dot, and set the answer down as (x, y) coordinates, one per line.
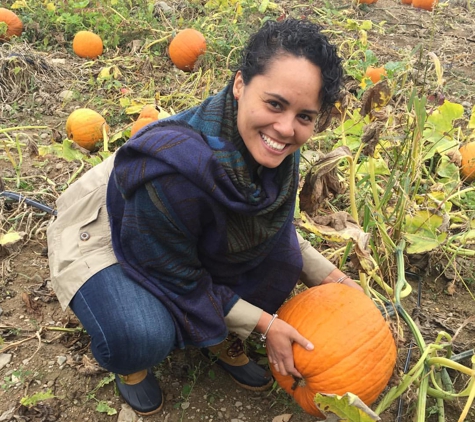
(277, 111)
(185, 236)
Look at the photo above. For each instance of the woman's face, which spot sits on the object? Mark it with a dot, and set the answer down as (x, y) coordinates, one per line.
(277, 111)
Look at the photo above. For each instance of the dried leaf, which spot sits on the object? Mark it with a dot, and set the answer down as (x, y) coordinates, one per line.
(375, 97)
(321, 181)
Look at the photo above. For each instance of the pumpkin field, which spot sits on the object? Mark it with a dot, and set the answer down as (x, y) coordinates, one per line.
(387, 193)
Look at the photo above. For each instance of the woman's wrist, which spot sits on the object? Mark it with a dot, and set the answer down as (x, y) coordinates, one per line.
(336, 276)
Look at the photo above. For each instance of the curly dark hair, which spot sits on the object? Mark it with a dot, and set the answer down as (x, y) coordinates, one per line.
(300, 38)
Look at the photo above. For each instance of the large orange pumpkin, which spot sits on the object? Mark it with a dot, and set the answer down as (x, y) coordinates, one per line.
(425, 4)
(354, 348)
(88, 45)
(186, 47)
(14, 24)
(467, 165)
(85, 127)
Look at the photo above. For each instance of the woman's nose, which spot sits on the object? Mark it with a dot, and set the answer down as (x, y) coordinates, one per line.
(285, 125)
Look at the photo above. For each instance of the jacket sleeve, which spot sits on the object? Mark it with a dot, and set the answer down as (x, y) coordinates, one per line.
(315, 266)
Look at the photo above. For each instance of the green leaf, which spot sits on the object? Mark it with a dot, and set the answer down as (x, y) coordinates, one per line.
(348, 407)
(419, 243)
(263, 6)
(103, 407)
(63, 150)
(37, 397)
(471, 123)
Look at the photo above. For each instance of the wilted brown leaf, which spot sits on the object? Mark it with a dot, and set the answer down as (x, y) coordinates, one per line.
(321, 181)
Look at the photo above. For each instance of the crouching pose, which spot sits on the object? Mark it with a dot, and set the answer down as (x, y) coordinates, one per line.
(185, 235)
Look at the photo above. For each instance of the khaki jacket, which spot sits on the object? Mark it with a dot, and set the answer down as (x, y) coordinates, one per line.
(80, 245)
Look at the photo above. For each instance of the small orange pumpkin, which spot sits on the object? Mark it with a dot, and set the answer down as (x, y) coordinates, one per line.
(367, 1)
(85, 127)
(88, 45)
(186, 47)
(149, 111)
(406, 1)
(354, 347)
(375, 73)
(425, 4)
(140, 123)
(467, 165)
(14, 24)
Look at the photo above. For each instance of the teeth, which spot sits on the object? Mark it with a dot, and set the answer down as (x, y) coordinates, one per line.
(274, 145)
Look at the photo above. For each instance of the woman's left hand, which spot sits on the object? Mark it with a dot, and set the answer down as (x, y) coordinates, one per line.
(279, 342)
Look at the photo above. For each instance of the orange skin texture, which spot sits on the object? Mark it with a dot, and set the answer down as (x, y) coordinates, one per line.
(375, 73)
(149, 111)
(467, 166)
(87, 45)
(85, 127)
(14, 24)
(406, 1)
(140, 123)
(424, 4)
(186, 47)
(354, 347)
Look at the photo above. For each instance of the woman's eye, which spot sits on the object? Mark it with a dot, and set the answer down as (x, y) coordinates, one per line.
(305, 117)
(274, 104)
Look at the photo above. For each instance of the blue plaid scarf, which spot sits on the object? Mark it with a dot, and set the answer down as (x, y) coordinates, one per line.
(192, 225)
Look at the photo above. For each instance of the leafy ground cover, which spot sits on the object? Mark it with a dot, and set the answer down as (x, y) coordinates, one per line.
(381, 192)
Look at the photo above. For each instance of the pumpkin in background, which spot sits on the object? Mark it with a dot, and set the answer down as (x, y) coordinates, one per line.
(13, 22)
(85, 127)
(367, 1)
(186, 47)
(149, 113)
(354, 348)
(88, 45)
(467, 166)
(375, 73)
(406, 1)
(140, 123)
(424, 4)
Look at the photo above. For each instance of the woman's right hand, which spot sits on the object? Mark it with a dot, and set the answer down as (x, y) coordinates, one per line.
(279, 340)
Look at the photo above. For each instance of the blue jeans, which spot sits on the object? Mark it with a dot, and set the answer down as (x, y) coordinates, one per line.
(130, 329)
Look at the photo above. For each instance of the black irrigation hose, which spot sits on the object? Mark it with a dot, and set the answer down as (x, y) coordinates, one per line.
(20, 198)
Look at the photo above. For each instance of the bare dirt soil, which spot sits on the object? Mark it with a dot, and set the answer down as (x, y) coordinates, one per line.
(44, 348)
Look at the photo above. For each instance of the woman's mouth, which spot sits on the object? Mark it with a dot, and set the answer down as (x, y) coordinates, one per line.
(274, 145)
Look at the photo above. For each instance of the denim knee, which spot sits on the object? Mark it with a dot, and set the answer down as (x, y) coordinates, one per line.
(130, 328)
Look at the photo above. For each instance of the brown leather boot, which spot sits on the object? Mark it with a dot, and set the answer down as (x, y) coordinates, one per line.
(231, 357)
(141, 391)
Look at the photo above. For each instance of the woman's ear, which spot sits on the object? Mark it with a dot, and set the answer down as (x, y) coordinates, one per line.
(238, 85)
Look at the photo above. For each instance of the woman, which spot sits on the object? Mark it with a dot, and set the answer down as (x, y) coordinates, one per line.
(185, 236)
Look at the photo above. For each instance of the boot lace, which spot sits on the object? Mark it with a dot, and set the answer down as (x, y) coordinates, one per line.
(236, 346)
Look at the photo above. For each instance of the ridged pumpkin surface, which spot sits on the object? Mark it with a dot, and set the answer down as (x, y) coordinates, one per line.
(88, 45)
(354, 348)
(85, 127)
(186, 47)
(14, 24)
(467, 166)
